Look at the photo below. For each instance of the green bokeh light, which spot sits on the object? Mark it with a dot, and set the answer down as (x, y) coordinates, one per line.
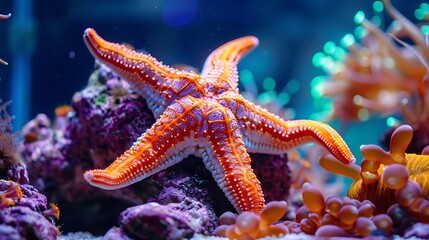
(391, 122)
(376, 20)
(424, 7)
(267, 97)
(283, 98)
(359, 17)
(420, 14)
(425, 29)
(339, 53)
(317, 59)
(269, 84)
(329, 47)
(246, 76)
(360, 32)
(293, 86)
(317, 80)
(317, 91)
(378, 6)
(347, 40)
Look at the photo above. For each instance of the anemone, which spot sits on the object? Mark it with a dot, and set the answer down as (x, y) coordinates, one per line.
(383, 172)
(375, 72)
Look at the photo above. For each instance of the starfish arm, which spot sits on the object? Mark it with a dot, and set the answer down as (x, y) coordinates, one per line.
(264, 132)
(224, 154)
(186, 126)
(159, 84)
(166, 143)
(221, 65)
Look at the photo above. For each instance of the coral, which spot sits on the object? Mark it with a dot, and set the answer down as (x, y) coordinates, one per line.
(26, 196)
(155, 221)
(107, 117)
(419, 141)
(368, 181)
(333, 216)
(394, 181)
(41, 151)
(20, 222)
(376, 76)
(115, 233)
(83, 135)
(389, 196)
(181, 187)
(25, 213)
(249, 225)
(418, 230)
(11, 165)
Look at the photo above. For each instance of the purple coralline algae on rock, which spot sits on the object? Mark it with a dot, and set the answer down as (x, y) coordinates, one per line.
(108, 116)
(41, 150)
(24, 212)
(417, 230)
(155, 221)
(23, 223)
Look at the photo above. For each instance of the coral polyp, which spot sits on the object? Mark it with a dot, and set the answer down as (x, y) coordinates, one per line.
(378, 74)
(249, 225)
(383, 172)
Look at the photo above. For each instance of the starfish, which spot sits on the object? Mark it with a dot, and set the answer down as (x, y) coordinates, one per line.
(203, 115)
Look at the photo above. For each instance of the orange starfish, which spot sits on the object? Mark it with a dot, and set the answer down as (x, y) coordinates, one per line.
(203, 115)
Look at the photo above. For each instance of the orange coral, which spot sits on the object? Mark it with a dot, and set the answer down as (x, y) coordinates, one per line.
(54, 211)
(375, 76)
(382, 174)
(249, 225)
(336, 217)
(62, 111)
(387, 189)
(10, 195)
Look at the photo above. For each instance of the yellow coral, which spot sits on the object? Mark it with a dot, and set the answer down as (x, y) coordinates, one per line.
(367, 178)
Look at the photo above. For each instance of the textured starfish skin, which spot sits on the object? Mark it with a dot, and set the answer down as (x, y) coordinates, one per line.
(203, 115)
